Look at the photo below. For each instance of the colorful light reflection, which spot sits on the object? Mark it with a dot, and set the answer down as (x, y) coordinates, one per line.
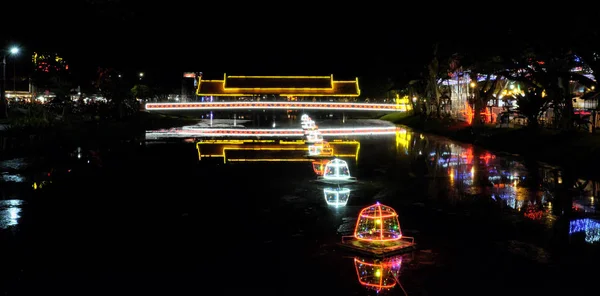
(336, 197)
(589, 226)
(319, 166)
(242, 132)
(378, 275)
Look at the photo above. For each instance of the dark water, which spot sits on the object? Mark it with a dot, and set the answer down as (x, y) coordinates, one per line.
(152, 219)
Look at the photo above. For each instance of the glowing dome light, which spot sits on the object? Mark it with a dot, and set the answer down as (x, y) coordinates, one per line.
(378, 275)
(337, 197)
(314, 136)
(336, 169)
(304, 118)
(378, 223)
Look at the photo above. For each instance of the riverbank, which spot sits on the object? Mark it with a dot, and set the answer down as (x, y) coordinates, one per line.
(576, 152)
(21, 138)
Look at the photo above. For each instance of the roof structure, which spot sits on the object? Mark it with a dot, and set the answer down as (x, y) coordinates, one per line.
(291, 86)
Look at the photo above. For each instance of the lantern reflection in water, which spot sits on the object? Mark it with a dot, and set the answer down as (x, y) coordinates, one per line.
(336, 197)
(319, 166)
(378, 274)
(378, 223)
(10, 211)
(320, 149)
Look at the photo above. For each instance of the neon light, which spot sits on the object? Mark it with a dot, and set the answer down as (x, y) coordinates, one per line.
(323, 149)
(234, 145)
(309, 124)
(314, 137)
(590, 227)
(378, 275)
(336, 197)
(208, 132)
(336, 169)
(273, 105)
(331, 88)
(319, 166)
(378, 223)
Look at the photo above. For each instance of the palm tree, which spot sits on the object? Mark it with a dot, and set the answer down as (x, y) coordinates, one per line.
(532, 104)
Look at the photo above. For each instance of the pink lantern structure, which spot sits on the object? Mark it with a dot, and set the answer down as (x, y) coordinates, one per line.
(377, 232)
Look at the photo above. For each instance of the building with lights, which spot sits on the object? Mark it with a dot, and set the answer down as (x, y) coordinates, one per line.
(277, 88)
(44, 62)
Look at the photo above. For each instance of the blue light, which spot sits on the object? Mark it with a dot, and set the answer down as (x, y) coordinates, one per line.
(589, 226)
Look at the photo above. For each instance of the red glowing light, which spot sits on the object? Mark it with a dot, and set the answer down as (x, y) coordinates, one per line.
(319, 166)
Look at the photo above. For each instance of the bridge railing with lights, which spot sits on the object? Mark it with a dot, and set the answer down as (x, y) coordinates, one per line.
(276, 105)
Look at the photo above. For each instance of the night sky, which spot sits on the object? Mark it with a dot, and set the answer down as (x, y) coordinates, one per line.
(166, 38)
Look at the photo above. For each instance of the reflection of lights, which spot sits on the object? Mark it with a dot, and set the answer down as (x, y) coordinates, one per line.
(337, 197)
(319, 166)
(378, 274)
(308, 124)
(209, 132)
(272, 105)
(378, 223)
(314, 150)
(402, 138)
(268, 149)
(589, 226)
(336, 169)
(322, 148)
(314, 136)
(10, 212)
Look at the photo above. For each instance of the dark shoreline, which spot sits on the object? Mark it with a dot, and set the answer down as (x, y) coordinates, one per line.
(32, 141)
(575, 152)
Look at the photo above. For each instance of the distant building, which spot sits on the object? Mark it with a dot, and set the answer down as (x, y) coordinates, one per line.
(276, 88)
(48, 62)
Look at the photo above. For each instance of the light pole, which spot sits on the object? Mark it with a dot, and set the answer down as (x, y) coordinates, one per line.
(14, 51)
(3, 102)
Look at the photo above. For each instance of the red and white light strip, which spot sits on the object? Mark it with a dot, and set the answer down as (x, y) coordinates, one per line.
(274, 105)
(209, 132)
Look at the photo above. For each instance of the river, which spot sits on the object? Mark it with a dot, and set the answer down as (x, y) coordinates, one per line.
(152, 217)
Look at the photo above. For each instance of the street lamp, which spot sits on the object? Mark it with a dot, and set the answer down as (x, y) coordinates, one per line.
(141, 75)
(14, 51)
(3, 103)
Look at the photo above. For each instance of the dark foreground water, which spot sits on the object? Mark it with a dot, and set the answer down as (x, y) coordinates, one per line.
(152, 219)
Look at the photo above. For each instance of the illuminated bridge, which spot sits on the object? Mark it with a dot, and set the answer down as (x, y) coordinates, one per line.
(276, 106)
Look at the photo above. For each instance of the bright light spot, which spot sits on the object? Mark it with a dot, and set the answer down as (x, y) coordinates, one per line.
(14, 50)
(378, 273)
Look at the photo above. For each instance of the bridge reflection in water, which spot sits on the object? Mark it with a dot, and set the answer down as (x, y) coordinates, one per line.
(277, 150)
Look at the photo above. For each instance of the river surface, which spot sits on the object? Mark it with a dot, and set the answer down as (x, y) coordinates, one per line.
(152, 218)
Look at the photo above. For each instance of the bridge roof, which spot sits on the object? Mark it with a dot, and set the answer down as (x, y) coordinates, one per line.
(307, 86)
